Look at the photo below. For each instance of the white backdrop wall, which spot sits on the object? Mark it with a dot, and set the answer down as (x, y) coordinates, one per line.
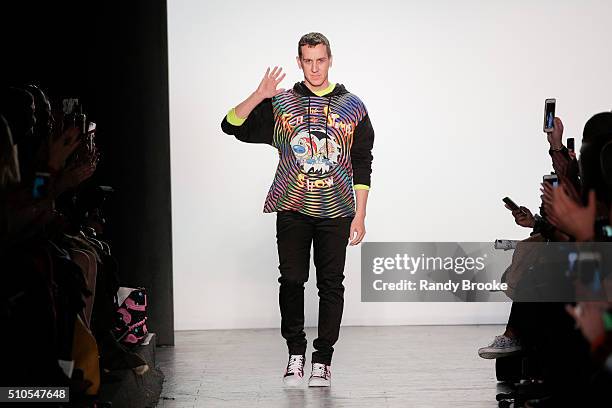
(455, 91)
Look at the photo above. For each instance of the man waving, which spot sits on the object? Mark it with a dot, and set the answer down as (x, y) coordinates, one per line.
(324, 138)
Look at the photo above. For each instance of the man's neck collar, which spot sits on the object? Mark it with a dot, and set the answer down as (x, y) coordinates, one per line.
(322, 92)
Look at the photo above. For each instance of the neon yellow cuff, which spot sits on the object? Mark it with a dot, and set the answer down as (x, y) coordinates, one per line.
(234, 119)
(361, 187)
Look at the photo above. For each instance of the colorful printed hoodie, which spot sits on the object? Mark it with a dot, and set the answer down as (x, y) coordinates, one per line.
(324, 142)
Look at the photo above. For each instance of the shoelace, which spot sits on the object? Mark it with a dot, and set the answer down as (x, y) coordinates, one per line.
(499, 341)
(295, 364)
(503, 341)
(319, 370)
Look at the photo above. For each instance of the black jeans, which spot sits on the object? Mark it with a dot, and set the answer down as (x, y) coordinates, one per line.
(295, 233)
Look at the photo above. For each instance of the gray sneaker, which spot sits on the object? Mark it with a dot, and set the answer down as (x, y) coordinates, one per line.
(320, 376)
(502, 346)
(294, 373)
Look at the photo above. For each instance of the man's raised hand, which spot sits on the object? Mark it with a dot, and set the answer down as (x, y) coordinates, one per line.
(265, 90)
(267, 86)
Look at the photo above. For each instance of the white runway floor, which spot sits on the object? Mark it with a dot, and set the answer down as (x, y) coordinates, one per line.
(399, 366)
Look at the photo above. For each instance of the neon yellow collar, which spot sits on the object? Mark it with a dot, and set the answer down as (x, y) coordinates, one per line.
(325, 91)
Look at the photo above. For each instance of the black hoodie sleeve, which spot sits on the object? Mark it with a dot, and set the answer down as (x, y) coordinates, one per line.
(361, 151)
(258, 126)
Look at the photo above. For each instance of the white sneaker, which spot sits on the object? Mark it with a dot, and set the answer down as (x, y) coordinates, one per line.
(320, 376)
(502, 346)
(294, 373)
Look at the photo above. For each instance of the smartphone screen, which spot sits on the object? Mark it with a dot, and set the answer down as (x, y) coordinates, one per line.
(552, 179)
(589, 270)
(41, 185)
(549, 114)
(606, 231)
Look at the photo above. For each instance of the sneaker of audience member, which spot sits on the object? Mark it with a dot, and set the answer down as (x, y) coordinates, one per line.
(502, 346)
(294, 373)
(320, 375)
(545, 402)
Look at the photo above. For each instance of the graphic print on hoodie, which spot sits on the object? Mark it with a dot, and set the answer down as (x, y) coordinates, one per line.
(324, 144)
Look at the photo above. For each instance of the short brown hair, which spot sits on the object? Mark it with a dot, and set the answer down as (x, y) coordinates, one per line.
(311, 40)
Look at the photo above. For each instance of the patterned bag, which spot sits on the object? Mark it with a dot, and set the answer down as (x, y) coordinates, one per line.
(130, 327)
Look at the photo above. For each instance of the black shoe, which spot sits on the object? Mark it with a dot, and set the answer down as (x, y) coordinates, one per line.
(547, 402)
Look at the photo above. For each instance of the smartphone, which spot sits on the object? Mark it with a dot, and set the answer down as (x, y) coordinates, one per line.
(570, 144)
(74, 115)
(505, 244)
(81, 121)
(41, 185)
(89, 137)
(589, 270)
(511, 204)
(69, 106)
(606, 232)
(549, 114)
(552, 179)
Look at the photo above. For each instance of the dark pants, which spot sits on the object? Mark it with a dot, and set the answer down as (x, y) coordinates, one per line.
(295, 233)
(549, 333)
